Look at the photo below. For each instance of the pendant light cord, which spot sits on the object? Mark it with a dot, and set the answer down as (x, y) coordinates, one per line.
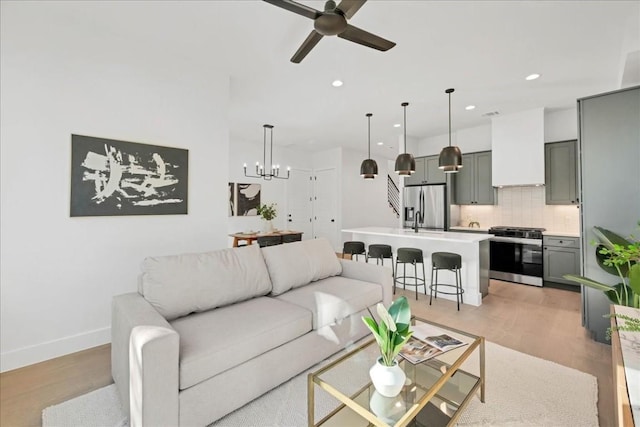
(369, 133)
(404, 104)
(449, 119)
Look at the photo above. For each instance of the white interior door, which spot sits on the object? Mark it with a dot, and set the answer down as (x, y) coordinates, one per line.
(325, 206)
(299, 202)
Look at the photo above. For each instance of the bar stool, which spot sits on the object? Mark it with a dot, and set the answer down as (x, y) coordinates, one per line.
(354, 248)
(414, 257)
(446, 261)
(380, 253)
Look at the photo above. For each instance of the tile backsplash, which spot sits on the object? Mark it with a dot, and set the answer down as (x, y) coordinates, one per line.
(523, 207)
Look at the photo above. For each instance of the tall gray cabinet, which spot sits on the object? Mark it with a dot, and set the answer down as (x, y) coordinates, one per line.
(609, 151)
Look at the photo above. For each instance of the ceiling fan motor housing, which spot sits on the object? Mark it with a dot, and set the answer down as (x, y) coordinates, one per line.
(330, 23)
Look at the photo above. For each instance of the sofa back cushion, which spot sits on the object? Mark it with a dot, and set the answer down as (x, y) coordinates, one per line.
(292, 265)
(182, 284)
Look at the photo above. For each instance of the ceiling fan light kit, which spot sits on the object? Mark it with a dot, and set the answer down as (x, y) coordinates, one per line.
(369, 167)
(332, 22)
(450, 157)
(405, 163)
(261, 169)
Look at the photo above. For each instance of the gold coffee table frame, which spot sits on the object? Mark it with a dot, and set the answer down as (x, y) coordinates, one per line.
(447, 372)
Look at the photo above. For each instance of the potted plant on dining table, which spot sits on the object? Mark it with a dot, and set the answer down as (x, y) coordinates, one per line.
(268, 213)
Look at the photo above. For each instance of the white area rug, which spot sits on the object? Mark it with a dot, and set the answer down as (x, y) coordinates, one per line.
(521, 390)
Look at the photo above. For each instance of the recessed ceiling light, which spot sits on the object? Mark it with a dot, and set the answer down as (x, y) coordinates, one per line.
(336, 83)
(380, 143)
(397, 125)
(470, 107)
(532, 76)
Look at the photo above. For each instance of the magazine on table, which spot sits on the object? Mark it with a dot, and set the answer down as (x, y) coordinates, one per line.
(427, 342)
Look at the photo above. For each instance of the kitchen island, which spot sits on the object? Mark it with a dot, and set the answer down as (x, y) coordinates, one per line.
(472, 247)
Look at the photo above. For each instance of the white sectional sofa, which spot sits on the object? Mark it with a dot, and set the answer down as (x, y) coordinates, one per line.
(207, 333)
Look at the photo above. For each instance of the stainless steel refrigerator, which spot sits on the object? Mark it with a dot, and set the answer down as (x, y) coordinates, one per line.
(425, 205)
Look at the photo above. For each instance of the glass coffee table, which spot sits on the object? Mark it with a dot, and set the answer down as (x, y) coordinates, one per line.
(435, 393)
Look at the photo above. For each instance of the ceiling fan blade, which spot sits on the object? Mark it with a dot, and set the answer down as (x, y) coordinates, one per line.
(365, 38)
(350, 7)
(295, 7)
(309, 43)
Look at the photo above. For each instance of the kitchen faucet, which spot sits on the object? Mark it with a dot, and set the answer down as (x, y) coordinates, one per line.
(415, 221)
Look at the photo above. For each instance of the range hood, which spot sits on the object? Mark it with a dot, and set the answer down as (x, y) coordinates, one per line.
(517, 149)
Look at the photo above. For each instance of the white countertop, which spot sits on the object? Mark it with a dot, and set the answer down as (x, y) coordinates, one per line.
(472, 229)
(560, 233)
(422, 234)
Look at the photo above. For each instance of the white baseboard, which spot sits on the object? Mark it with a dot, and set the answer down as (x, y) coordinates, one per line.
(48, 350)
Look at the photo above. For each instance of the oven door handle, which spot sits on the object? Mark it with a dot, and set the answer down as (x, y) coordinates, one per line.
(533, 242)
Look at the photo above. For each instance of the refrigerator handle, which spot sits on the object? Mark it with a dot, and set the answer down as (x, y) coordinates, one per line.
(421, 219)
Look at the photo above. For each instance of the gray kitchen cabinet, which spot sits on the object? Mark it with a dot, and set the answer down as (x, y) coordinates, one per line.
(432, 171)
(427, 172)
(609, 131)
(560, 173)
(561, 255)
(473, 181)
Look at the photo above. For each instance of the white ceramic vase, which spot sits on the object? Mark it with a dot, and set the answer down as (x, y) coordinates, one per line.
(268, 226)
(388, 380)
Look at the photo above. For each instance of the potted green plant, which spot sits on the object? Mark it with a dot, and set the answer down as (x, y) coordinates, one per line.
(618, 256)
(391, 334)
(268, 213)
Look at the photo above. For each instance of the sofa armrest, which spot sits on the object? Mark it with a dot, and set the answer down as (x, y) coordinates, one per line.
(154, 378)
(127, 312)
(370, 273)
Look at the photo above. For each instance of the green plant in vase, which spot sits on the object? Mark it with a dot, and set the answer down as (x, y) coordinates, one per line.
(393, 330)
(391, 334)
(618, 256)
(267, 212)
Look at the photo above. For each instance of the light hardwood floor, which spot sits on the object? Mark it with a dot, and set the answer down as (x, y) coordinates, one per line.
(543, 322)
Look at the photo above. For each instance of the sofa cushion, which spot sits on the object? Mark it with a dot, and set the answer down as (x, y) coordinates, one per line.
(297, 264)
(334, 298)
(217, 340)
(182, 284)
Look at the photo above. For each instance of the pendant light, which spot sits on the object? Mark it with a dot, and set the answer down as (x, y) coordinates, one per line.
(261, 169)
(405, 163)
(450, 157)
(369, 167)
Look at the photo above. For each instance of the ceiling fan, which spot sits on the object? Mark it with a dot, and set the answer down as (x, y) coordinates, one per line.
(332, 22)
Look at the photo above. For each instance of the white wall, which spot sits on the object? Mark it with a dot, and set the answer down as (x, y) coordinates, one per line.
(364, 201)
(561, 125)
(469, 140)
(274, 191)
(59, 273)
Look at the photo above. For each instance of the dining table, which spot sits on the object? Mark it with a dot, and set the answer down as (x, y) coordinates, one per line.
(250, 237)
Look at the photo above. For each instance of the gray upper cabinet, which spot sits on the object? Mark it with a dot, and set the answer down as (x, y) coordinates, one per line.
(433, 173)
(561, 173)
(473, 181)
(427, 172)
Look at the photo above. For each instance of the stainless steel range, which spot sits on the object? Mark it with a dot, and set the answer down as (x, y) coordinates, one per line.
(516, 255)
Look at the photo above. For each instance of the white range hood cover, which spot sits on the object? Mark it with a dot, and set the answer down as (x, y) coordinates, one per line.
(517, 148)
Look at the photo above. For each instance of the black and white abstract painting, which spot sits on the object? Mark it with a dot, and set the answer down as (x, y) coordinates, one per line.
(110, 177)
(247, 199)
(232, 196)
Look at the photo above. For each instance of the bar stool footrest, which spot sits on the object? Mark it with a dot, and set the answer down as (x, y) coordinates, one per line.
(434, 288)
